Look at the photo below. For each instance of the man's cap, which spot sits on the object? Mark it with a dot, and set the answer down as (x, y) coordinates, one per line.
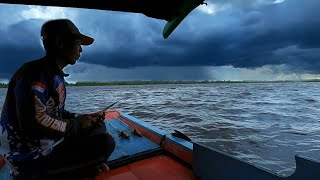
(63, 27)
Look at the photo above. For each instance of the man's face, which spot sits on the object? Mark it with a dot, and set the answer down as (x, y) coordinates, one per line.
(72, 50)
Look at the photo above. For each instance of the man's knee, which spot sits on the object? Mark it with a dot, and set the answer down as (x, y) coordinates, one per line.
(106, 143)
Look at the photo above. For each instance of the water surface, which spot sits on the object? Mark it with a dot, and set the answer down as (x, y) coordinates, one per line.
(262, 123)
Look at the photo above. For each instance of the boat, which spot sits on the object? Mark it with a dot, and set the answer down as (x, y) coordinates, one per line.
(146, 152)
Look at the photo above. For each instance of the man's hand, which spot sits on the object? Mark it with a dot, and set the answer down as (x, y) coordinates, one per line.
(89, 120)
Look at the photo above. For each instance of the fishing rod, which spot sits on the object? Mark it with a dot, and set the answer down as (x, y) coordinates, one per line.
(121, 133)
(133, 130)
(102, 116)
(138, 133)
(111, 105)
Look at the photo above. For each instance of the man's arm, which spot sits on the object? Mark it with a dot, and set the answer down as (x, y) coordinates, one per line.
(68, 115)
(50, 126)
(69, 124)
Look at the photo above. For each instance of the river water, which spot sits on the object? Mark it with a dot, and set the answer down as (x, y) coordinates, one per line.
(262, 123)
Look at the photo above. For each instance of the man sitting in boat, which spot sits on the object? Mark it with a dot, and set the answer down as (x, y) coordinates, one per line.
(45, 140)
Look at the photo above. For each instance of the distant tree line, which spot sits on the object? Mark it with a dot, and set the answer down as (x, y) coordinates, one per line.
(3, 85)
(173, 82)
(133, 83)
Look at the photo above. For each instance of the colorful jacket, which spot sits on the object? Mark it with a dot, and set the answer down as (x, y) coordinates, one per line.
(34, 114)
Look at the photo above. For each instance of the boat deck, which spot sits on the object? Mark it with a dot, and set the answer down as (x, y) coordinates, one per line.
(140, 158)
(136, 157)
(160, 167)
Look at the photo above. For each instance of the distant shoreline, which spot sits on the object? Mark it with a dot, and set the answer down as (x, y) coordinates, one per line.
(173, 82)
(111, 83)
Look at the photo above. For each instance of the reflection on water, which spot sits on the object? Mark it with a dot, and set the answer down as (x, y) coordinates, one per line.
(262, 123)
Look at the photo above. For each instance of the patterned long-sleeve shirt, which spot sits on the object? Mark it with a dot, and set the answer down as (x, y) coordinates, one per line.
(33, 113)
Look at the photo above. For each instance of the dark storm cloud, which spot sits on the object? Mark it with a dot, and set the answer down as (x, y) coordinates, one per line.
(246, 39)
(19, 43)
(249, 34)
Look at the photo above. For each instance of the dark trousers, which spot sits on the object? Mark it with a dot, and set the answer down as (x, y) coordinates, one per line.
(75, 158)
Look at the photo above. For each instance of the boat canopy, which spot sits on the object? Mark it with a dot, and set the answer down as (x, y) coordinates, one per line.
(173, 11)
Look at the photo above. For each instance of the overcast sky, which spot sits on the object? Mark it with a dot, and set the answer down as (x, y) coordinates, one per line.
(226, 40)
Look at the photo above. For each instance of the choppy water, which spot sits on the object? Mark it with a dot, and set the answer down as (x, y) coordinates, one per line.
(262, 123)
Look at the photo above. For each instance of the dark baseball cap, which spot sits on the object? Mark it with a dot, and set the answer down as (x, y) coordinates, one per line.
(63, 27)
